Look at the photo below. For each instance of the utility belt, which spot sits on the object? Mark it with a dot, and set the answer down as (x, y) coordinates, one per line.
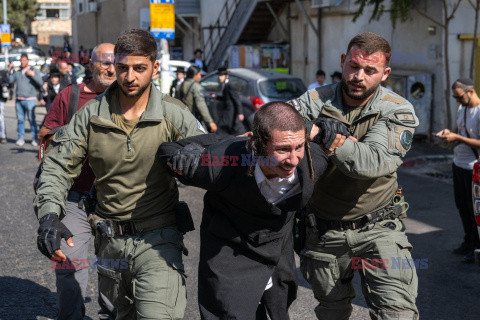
(113, 228)
(396, 209)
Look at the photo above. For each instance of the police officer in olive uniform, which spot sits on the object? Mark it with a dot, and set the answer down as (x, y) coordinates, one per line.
(357, 213)
(137, 239)
(191, 93)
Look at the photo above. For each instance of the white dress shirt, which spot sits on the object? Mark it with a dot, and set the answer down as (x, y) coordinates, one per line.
(277, 189)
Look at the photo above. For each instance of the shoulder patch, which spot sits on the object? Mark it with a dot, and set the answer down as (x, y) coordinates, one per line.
(319, 93)
(405, 117)
(314, 94)
(394, 99)
(174, 101)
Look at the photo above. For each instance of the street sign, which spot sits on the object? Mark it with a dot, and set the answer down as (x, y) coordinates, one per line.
(162, 19)
(5, 36)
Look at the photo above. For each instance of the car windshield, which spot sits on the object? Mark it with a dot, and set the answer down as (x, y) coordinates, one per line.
(282, 89)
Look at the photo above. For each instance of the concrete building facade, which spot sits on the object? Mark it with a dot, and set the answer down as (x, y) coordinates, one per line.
(96, 21)
(52, 23)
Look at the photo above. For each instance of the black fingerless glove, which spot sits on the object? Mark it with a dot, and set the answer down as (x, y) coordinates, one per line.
(50, 232)
(329, 128)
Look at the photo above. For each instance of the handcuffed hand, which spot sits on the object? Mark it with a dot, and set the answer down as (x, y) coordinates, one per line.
(50, 233)
(329, 129)
(185, 161)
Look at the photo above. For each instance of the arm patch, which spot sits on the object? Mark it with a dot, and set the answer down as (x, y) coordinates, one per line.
(403, 138)
(405, 117)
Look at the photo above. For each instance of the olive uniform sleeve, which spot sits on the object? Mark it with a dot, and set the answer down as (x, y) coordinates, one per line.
(181, 121)
(380, 151)
(308, 107)
(62, 164)
(200, 103)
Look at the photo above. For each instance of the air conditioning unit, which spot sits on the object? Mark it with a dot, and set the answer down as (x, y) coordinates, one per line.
(92, 6)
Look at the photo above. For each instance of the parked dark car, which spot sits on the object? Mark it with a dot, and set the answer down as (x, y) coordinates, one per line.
(255, 87)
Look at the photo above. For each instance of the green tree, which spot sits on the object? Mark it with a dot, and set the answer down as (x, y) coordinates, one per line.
(401, 10)
(19, 13)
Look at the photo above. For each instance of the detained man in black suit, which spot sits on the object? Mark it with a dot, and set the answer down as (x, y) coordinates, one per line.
(247, 266)
(230, 110)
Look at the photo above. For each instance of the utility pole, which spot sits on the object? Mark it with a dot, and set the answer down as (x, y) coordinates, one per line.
(5, 22)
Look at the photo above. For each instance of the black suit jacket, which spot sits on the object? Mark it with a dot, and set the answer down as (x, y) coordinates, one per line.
(245, 240)
(230, 108)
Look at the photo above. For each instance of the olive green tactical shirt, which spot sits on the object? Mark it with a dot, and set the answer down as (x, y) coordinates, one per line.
(119, 119)
(131, 182)
(361, 177)
(195, 100)
(351, 113)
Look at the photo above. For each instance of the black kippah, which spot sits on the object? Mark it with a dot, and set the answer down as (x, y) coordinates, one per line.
(466, 81)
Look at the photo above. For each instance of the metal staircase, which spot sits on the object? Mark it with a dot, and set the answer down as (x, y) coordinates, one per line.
(240, 22)
(226, 30)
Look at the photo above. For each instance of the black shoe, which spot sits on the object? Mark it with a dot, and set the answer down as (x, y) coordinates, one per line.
(469, 258)
(463, 249)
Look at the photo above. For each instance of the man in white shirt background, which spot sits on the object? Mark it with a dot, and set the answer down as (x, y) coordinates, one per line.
(320, 80)
(466, 151)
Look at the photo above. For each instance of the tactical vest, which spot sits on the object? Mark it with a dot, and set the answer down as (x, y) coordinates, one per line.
(340, 197)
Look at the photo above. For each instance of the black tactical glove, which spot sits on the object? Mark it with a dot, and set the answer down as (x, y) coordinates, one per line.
(50, 233)
(187, 159)
(329, 128)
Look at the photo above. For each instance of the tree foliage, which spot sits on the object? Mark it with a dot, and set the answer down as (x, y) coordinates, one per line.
(399, 9)
(19, 13)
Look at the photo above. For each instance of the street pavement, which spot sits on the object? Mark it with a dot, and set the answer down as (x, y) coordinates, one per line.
(448, 289)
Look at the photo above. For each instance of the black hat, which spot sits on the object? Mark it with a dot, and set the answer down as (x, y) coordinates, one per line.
(222, 71)
(180, 70)
(55, 74)
(466, 81)
(197, 50)
(336, 74)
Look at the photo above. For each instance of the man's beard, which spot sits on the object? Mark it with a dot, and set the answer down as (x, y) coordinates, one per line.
(141, 90)
(98, 78)
(362, 96)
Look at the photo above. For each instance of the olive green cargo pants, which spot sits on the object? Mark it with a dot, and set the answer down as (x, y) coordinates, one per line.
(142, 275)
(382, 257)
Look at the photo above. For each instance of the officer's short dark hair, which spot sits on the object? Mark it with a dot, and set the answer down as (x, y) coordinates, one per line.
(369, 43)
(192, 71)
(136, 42)
(24, 55)
(320, 72)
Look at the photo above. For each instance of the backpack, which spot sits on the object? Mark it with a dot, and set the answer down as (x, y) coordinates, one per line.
(72, 108)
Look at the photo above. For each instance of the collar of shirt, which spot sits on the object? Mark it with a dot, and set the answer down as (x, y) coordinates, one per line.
(276, 189)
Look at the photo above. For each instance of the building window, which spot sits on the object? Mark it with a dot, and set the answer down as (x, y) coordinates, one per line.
(53, 13)
(81, 5)
(51, 10)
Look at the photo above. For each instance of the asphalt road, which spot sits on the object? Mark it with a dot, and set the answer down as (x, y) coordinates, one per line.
(448, 289)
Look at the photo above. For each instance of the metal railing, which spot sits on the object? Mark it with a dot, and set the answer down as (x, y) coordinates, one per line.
(217, 30)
